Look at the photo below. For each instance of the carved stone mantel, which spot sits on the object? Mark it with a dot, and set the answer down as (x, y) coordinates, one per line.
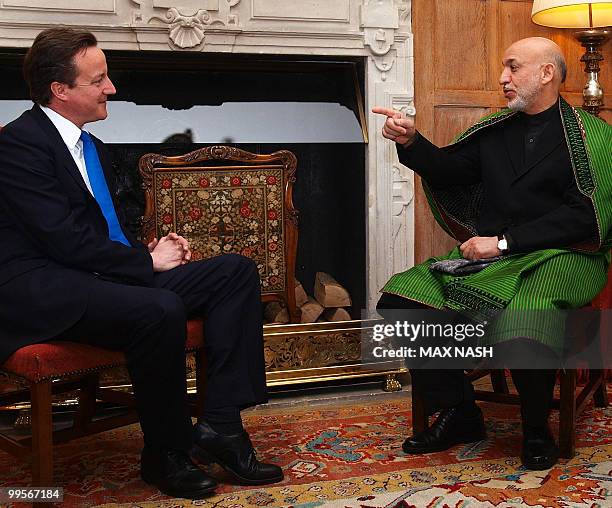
(379, 30)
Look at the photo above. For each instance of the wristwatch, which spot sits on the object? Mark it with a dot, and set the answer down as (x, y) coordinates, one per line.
(502, 244)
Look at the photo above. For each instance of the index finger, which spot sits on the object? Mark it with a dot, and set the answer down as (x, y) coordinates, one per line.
(384, 111)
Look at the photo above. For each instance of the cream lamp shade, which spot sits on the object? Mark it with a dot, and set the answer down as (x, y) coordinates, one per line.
(572, 13)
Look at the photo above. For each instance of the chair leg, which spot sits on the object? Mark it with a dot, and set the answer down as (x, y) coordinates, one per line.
(87, 401)
(600, 397)
(420, 420)
(42, 435)
(567, 413)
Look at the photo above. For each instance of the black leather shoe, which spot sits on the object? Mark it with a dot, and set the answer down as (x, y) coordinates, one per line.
(539, 449)
(450, 428)
(235, 454)
(175, 474)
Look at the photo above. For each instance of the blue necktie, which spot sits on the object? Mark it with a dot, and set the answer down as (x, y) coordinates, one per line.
(100, 189)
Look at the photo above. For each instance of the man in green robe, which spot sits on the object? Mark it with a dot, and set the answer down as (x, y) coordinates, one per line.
(532, 185)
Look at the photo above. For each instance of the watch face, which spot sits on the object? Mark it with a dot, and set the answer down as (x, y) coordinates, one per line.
(502, 244)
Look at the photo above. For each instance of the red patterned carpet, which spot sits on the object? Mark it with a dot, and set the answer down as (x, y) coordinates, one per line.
(350, 456)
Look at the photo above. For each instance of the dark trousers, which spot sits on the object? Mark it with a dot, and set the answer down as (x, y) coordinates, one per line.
(444, 388)
(149, 325)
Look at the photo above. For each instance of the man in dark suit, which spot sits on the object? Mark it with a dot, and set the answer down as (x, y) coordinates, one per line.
(70, 271)
(520, 185)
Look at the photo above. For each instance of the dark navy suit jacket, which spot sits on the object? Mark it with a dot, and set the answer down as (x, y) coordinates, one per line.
(53, 236)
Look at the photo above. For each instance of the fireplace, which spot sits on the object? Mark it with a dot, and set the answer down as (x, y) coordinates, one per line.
(310, 106)
(354, 198)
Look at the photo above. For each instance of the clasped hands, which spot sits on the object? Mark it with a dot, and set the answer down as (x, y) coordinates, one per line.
(169, 252)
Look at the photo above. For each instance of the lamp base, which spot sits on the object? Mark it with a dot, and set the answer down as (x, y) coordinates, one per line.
(592, 40)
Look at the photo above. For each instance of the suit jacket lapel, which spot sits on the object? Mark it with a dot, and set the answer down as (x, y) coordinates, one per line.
(61, 149)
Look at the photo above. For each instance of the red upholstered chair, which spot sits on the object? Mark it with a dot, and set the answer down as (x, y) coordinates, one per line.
(570, 404)
(58, 367)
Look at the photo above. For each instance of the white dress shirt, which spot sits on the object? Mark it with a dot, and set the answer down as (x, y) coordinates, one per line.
(71, 135)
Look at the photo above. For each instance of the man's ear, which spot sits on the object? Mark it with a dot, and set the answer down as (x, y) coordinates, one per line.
(547, 73)
(59, 90)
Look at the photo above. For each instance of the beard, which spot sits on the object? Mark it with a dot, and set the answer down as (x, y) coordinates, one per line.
(526, 96)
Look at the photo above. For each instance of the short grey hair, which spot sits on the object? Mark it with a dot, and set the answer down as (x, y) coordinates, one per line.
(561, 66)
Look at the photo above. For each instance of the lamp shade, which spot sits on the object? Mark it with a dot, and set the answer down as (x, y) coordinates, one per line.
(572, 13)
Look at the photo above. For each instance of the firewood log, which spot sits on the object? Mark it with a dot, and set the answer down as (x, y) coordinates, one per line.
(300, 295)
(336, 314)
(329, 292)
(276, 312)
(311, 310)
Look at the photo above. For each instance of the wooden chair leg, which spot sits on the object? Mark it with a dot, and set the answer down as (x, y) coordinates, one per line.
(42, 434)
(600, 397)
(567, 413)
(87, 401)
(420, 420)
(200, 359)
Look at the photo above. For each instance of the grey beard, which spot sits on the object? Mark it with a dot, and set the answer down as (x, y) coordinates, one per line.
(517, 104)
(522, 102)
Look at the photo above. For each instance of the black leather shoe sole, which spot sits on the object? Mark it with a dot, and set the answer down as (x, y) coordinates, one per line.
(206, 457)
(541, 463)
(180, 493)
(440, 446)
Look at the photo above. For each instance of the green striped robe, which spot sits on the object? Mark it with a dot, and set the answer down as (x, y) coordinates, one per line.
(544, 279)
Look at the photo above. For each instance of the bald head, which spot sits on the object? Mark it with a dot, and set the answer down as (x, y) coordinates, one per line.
(534, 69)
(542, 51)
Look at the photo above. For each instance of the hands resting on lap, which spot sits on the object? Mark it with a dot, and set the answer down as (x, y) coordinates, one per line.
(169, 252)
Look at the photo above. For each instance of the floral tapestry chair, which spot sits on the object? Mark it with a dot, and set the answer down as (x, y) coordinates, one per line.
(227, 200)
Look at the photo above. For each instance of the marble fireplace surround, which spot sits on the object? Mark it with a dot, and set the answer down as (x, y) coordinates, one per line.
(377, 30)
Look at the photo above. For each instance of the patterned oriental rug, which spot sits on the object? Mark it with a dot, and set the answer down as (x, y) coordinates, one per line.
(349, 455)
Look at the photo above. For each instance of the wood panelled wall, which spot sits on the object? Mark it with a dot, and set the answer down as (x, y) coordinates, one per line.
(458, 46)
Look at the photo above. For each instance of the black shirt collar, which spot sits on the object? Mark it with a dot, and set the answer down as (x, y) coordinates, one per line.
(542, 117)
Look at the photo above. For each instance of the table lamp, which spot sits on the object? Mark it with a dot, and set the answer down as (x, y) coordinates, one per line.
(595, 17)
